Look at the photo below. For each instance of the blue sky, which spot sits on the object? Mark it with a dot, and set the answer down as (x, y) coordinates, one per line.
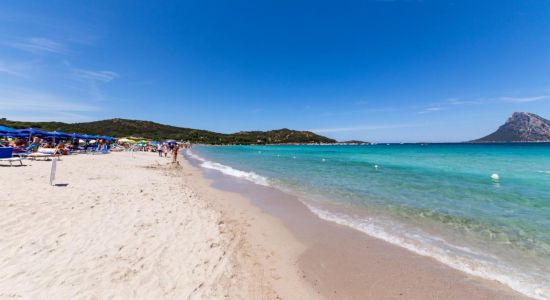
(372, 70)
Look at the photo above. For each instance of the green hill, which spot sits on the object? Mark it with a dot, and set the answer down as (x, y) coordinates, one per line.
(151, 130)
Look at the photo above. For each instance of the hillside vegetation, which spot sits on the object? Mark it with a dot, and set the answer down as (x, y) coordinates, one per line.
(152, 130)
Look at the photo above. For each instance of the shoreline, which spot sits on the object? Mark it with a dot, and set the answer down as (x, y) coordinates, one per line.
(343, 261)
(135, 226)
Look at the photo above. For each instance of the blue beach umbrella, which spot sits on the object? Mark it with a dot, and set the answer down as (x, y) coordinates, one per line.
(75, 136)
(4, 129)
(58, 135)
(87, 137)
(29, 132)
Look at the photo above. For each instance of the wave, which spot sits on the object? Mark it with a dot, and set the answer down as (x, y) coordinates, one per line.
(461, 258)
(227, 170)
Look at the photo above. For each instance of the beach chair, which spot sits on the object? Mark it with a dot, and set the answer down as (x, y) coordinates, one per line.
(39, 156)
(6, 155)
(44, 154)
(31, 147)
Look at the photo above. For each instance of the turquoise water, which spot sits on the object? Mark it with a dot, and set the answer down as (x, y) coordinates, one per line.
(435, 199)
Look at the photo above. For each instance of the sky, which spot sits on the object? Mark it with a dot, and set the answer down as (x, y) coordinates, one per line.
(382, 71)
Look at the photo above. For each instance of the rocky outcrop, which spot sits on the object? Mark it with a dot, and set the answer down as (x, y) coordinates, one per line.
(520, 127)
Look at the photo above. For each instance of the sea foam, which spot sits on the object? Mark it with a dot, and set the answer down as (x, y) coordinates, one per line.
(227, 170)
(461, 258)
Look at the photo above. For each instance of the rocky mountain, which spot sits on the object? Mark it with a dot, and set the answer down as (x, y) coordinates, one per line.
(520, 127)
(152, 130)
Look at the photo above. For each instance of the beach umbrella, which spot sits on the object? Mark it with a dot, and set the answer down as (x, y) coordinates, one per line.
(87, 137)
(126, 140)
(75, 136)
(58, 135)
(32, 132)
(4, 129)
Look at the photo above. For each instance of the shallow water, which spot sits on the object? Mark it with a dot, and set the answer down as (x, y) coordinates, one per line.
(435, 199)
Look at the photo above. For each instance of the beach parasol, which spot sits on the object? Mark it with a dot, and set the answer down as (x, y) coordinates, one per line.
(58, 135)
(6, 131)
(30, 132)
(126, 140)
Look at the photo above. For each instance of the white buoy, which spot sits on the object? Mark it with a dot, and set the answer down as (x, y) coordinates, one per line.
(495, 177)
(376, 167)
(323, 160)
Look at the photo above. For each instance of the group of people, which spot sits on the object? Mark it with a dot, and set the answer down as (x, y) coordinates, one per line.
(62, 147)
(171, 148)
(52, 146)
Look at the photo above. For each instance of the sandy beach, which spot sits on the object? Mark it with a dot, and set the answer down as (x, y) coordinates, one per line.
(123, 227)
(134, 226)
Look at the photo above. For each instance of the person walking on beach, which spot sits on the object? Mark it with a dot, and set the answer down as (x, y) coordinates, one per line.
(159, 149)
(165, 149)
(175, 153)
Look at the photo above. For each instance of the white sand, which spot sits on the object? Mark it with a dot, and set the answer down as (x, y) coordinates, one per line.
(127, 227)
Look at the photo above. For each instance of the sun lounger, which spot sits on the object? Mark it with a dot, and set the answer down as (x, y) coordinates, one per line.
(50, 151)
(6, 155)
(44, 154)
(38, 155)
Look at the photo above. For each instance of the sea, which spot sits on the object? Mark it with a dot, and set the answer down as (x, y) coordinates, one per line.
(480, 208)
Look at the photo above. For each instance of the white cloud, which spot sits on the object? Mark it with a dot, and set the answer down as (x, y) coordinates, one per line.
(523, 99)
(11, 70)
(103, 76)
(37, 45)
(431, 109)
(456, 101)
